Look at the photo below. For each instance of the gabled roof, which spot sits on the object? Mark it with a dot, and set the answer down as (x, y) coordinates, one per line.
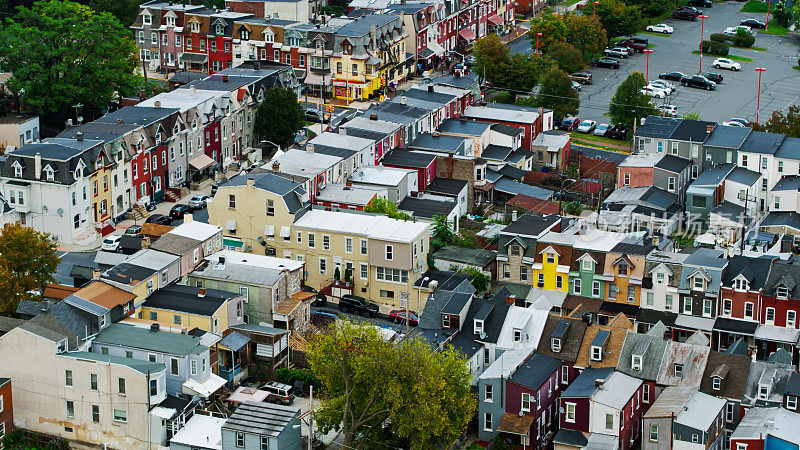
(692, 130)
(783, 273)
(754, 270)
(649, 346)
(728, 137)
(743, 176)
(535, 371)
(570, 341)
(584, 386)
(130, 336)
(617, 390)
(692, 355)
(700, 411)
(494, 320)
(762, 142)
(530, 225)
(672, 163)
(658, 127)
(733, 370)
(617, 329)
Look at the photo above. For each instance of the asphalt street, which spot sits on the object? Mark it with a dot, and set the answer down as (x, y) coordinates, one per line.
(735, 97)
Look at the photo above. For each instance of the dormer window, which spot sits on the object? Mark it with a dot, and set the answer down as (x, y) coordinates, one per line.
(220, 28)
(147, 19)
(660, 278)
(587, 264)
(478, 326)
(320, 45)
(597, 353)
(170, 21)
(678, 370)
(636, 362)
(49, 173)
(782, 292)
(555, 345)
(176, 129)
(269, 37)
(551, 258)
(622, 270)
(515, 250)
(716, 383)
(517, 335)
(79, 172)
(740, 284)
(244, 34)
(763, 391)
(445, 321)
(347, 49)
(699, 284)
(17, 169)
(62, 347)
(194, 27)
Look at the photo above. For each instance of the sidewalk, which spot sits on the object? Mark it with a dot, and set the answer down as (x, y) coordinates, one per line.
(519, 32)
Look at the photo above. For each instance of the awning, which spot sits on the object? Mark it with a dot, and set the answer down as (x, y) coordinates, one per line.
(318, 79)
(437, 49)
(193, 58)
(494, 19)
(687, 322)
(200, 162)
(515, 424)
(372, 60)
(285, 232)
(735, 326)
(425, 53)
(467, 34)
(230, 225)
(204, 389)
(163, 413)
(777, 334)
(269, 230)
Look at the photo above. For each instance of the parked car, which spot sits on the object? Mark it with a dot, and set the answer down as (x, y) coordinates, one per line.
(690, 9)
(672, 76)
(733, 124)
(569, 123)
(699, 81)
(606, 62)
(319, 300)
(582, 77)
(653, 92)
(617, 132)
(753, 23)
(714, 76)
(399, 316)
(159, 219)
(665, 86)
(357, 305)
(660, 28)
(636, 44)
(179, 210)
(199, 201)
(323, 319)
(217, 184)
(684, 15)
(111, 243)
(616, 52)
(134, 230)
(587, 126)
(601, 129)
(314, 115)
(739, 120)
(725, 63)
(668, 110)
(576, 86)
(700, 3)
(278, 393)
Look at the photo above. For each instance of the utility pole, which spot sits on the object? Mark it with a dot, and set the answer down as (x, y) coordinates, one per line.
(744, 196)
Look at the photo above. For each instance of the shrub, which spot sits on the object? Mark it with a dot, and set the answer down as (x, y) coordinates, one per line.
(718, 37)
(715, 48)
(289, 376)
(744, 40)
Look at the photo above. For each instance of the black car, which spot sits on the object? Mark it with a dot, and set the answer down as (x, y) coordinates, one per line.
(216, 185)
(682, 14)
(753, 23)
(617, 132)
(320, 300)
(178, 211)
(357, 305)
(672, 76)
(691, 9)
(700, 3)
(713, 76)
(700, 82)
(606, 62)
(159, 219)
(314, 115)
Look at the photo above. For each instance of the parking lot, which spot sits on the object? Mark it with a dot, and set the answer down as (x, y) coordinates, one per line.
(734, 97)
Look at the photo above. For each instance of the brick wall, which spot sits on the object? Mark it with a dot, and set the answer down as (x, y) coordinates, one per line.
(6, 415)
(458, 169)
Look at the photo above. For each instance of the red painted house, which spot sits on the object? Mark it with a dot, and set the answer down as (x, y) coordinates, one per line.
(779, 310)
(6, 409)
(220, 41)
(532, 121)
(213, 141)
(739, 300)
(423, 163)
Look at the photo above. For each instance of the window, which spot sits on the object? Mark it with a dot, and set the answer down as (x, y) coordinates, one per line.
(716, 383)
(555, 344)
(626, 179)
(769, 316)
(523, 273)
(270, 208)
(487, 421)
(636, 362)
(264, 443)
(326, 242)
(70, 409)
(564, 374)
(323, 265)
(153, 387)
(695, 171)
(646, 393)
(540, 279)
(551, 258)
(231, 202)
(660, 147)
(488, 395)
(678, 370)
(791, 402)
(576, 286)
(687, 305)
(653, 433)
(507, 271)
(649, 300)
(727, 307)
(748, 310)
(486, 357)
(120, 415)
(782, 292)
(95, 413)
(121, 386)
(780, 166)
(622, 270)
(595, 289)
(389, 252)
(93, 382)
(597, 353)
(348, 245)
(516, 250)
(363, 243)
(671, 184)
(173, 366)
(586, 264)
(517, 335)
(176, 319)
(68, 378)
(706, 308)
(695, 438)
(389, 274)
(525, 402)
(763, 391)
(559, 282)
(609, 421)
(364, 271)
(239, 439)
(791, 319)
(193, 367)
(311, 240)
(570, 415)
(478, 326)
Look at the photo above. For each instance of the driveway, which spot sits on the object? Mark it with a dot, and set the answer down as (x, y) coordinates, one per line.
(735, 97)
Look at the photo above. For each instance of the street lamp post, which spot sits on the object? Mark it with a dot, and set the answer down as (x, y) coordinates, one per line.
(538, 35)
(647, 63)
(766, 27)
(758, 95)
(702, 19)
(594, 5)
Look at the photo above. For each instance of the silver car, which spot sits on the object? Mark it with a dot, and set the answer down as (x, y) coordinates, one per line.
(199, 201)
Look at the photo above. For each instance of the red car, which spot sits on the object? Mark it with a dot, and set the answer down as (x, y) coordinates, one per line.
(399, 316)
(570, 123)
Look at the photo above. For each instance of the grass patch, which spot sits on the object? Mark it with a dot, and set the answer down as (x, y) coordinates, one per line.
(653, 33)
(600, 141)
(775, 29)
(733, 57)
(754, 6)
(796, 67)
(614, 40)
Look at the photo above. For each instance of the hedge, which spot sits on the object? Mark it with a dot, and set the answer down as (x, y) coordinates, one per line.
(744, 40)
(718, 37)
(715, 48)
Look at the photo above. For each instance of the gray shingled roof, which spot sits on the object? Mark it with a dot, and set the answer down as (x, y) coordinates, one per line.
(267, 419)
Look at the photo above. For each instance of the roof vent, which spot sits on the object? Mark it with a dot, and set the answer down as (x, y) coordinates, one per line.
(157, 104)
(79, 135)
(154, 327)
(120, 121)
(598, 382)
(201, 292)
(224, 78)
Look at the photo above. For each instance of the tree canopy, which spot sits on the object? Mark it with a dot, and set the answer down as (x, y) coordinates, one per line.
(566, 57)
(28, 261)
(386, 207)
(62, 53)
(652, 8)
(788, 124)
(557, 94)
(618, 18)
(629, 103)
(425, 395)
(279, 117)
(491, 55)
(585, 33)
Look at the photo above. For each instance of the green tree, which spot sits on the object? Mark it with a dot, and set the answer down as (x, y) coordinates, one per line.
(521, 74)
(386, 207)
(279, 117)
(586, 34)
(62, 53)
(490, 56)
(618, 18)
(557, 94)
(441, 234)
(629, 103)
(124, 10)
(652, 8)
(28, 261)
(566, 57)
(788, 123)
(692, 116)
(480, 281)
(366, 381)
(551, 26)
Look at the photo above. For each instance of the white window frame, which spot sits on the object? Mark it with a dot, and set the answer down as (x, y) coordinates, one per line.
(569, 412)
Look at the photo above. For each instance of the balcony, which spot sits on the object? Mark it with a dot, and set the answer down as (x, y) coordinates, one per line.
(229, 373)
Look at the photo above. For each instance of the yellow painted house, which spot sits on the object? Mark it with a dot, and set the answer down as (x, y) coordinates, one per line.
(552, 262)
(100, 183)
(140, 281)
(192, 307)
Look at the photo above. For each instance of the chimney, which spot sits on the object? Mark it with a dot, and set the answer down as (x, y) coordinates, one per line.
(348, 183)
(373, 117)
(403, 100)
(430, 88)
(514, 215)
(310, 148)
(587, 319)
(157, 104)
(37, 165)
(224, 78)
(79, 135)
(188, 217)
(201, 292)
(511, 299)
(251, 182)
(598, 382)
(655, 241)
(96, 274)
(120, 121)
(276, 166)
(193, 90)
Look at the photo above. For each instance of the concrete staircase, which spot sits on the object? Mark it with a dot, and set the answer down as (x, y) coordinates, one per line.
(138, 213)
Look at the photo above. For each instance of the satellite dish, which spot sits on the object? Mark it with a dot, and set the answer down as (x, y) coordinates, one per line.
(483, 335)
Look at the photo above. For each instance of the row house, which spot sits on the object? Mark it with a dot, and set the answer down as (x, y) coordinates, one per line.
(587, 275)
(419, 23)
(423, 163)
(725, 377)
(678, 137)
(624, 270)
(386, 135)
(664, 171)
(684, 417)
(659, 298)
(314, 170)
(517, 247)
(299, 10)
(355, 151)
(765, 427)
(532, 121)
(700, 278)
(6, 408)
